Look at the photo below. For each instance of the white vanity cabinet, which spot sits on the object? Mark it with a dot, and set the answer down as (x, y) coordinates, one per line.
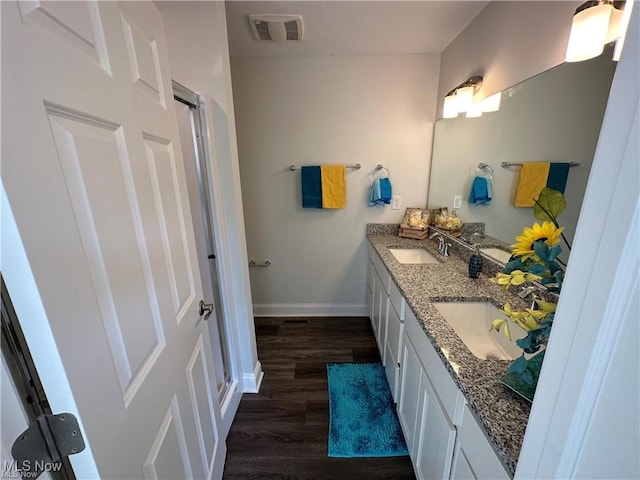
(427, 421)
(443, 437)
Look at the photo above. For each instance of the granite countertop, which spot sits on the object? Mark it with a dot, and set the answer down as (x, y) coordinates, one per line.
(501, 412)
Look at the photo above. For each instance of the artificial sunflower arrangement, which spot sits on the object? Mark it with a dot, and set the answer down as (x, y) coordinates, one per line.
(534, 259)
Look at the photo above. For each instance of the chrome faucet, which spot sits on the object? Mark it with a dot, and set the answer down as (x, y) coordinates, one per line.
(443, 247)
(440, 240)
(474, 236)
(525, 292)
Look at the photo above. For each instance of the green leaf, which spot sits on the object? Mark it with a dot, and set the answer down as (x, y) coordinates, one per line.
(518, 366)
(549, 205)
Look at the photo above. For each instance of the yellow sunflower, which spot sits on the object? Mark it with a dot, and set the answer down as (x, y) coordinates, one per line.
(546, 232)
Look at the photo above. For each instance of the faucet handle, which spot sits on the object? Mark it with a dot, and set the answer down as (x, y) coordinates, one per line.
(474, 236)
(525, 292)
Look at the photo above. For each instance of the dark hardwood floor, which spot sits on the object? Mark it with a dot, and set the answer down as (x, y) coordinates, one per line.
(282, 431)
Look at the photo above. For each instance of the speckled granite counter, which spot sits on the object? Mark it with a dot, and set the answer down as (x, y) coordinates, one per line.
(501, 413)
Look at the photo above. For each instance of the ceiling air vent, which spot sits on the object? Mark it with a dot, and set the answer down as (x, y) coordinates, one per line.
(277, 28)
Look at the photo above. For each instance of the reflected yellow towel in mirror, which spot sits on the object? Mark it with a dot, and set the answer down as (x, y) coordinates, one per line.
(334, 189)
(533, 178)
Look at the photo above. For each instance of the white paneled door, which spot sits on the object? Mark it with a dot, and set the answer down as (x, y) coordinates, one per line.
(92, 169)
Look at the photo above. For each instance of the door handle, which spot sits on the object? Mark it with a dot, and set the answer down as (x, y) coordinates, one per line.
(206, 309)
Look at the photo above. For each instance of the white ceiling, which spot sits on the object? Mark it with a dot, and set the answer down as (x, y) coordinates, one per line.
(334, 27)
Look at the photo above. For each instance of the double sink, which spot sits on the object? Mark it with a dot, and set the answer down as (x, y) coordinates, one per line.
(470, 320)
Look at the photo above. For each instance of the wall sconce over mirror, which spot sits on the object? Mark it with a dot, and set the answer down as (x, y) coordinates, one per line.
(597, 23)
(462, 99)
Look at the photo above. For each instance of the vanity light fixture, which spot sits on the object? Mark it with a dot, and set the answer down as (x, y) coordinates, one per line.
(595, 24)
(475, 110)
(460, 99)
(491, 103)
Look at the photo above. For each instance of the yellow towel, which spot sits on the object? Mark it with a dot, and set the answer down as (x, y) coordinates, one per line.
(334, 192)
(533, 178)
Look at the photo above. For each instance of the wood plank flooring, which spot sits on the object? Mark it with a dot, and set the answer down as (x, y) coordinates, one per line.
(282, 431)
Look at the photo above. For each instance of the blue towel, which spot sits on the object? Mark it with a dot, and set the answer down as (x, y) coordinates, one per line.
(480, 191)
(558, 173)
(311, 187)
(381, 192)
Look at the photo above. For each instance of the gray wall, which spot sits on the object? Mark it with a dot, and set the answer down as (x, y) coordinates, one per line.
(507, 43)
(344, 110)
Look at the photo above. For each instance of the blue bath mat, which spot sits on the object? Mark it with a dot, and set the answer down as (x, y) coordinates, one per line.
(362, 415)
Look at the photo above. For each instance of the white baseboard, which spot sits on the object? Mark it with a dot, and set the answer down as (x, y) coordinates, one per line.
(310, 310)
(251, 382)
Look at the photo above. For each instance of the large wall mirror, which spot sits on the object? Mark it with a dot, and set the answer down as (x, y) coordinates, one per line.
(553, 117)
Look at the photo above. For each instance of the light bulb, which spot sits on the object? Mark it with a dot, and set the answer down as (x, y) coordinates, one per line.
(464, 98)
(450, 108)
(475, 110)
(491, 103)
(589, 32)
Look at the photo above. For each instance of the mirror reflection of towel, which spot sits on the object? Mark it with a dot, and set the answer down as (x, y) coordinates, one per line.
(480, 191)
(557, 179)
(533, 178)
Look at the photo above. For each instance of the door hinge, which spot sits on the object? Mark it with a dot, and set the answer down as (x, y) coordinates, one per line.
(46, 442)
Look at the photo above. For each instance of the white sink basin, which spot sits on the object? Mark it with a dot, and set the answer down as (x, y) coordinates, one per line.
(413, 255)
(497, 254)
(472, 322)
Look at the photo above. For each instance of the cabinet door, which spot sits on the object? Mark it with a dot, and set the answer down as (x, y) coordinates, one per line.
(475, 458)
(392, 370)
(410, 374)
(375, 310)
(381, 336)
(461, 469)
(435, 436)
(369, 291)
(395, 327)
(380, 311)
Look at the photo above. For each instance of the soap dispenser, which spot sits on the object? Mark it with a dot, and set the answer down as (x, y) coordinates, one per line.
(475, 264)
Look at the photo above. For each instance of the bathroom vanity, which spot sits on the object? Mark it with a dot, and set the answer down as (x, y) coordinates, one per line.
(459, 421)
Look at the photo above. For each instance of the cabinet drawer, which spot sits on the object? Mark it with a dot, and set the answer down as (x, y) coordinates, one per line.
(395, 327)
(382, 272)
(397, 301)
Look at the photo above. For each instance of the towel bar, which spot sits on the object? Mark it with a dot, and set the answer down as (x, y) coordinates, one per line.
(356, 166)
(253, 264)
(509, 164)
